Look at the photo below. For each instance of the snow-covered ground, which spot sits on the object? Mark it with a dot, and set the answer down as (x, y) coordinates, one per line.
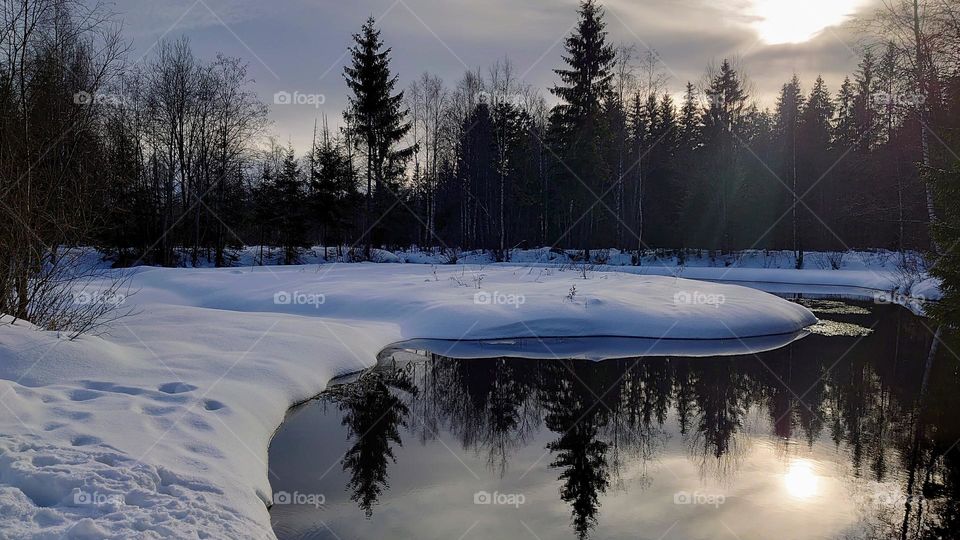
(874, 275)
(161, 427)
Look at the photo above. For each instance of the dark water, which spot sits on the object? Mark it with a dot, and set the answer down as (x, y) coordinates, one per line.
(834, 436)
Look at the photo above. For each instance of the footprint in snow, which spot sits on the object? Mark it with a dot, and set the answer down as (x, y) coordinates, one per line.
(84, 440)
(212, 405)
(110, 387)
(158, 411)
(176, 388)
(83, 395)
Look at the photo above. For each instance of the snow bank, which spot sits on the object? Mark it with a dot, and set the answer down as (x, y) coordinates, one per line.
(869, 275)
(160, 429)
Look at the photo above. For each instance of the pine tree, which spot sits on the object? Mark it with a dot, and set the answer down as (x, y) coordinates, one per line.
(378, 119)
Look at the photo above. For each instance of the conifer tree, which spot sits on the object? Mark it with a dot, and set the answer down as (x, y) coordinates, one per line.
(332, 191)
(379, 120)
(844, 131)
(289, 209)
(584, 87)
(723, 125)
(945, 183)
(586, 82)
(864, 104)
(814, 145)
(789, 108)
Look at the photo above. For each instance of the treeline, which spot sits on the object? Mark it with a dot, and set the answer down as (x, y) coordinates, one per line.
(620, 161)
(161, 161)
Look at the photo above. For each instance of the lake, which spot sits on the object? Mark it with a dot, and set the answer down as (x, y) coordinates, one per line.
(837, 435)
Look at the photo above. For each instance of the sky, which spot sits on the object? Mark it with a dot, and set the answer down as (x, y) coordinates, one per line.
(300, 46)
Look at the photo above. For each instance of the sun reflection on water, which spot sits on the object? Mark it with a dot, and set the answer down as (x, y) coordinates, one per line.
(801, 481)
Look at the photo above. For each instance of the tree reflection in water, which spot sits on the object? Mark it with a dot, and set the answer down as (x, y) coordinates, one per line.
(373, 413)
(864, 396)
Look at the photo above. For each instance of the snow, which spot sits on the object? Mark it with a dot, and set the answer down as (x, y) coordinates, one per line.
(161, 427)
(869, 275)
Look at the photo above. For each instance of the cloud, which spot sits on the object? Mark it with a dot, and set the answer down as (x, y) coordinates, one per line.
(300, 45)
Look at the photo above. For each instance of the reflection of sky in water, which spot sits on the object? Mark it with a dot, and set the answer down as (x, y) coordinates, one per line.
(833, 465)
(767, 487)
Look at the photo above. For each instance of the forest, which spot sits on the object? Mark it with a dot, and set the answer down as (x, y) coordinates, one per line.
(168, 161)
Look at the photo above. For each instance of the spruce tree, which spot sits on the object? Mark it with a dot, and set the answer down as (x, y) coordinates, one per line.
(789, 109)
(509, 124)
(723, 125)
(814, 147)
(587, 80)
(578, 121)
(332, 191)
(290, 209)
(844, 131)
(641, 122)
(864, 104)
(689, 119)
(687, 164)
(379, 120)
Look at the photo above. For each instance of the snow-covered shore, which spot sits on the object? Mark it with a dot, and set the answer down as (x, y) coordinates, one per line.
(866, 275)
(161, 428)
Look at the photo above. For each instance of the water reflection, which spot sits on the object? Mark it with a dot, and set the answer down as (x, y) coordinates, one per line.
(374, 410)
(853, 444)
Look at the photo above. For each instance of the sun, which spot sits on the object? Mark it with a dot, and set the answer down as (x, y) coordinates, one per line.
(785, 21)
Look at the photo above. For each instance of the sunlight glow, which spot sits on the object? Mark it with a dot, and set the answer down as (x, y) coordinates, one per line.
(783, 21)
(800, 480)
